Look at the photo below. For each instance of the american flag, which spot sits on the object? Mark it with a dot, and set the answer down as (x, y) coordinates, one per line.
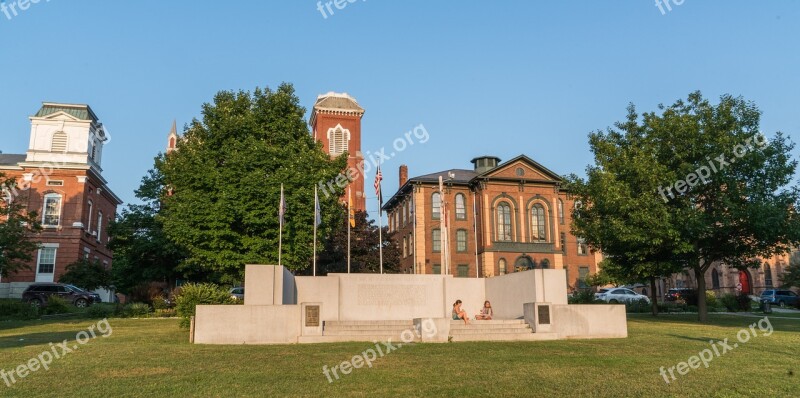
(378, 179)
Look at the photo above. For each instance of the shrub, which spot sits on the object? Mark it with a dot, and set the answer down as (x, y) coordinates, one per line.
(729, 301)
(17, 310)
(159, 302)
(100, 311)
(583, 296)
(193, 294)
(57, 305)
(744, 302)
(638, 306)
(711, 299)
(689, 297)
(139, 310)
(165, 313)
(691, 308)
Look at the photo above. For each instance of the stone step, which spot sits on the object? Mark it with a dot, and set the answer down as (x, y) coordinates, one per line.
(505, 337)
(379, 338)
(454, 332)
(368, 327)
(363, 332)
(368, 323)
(488, 327)
(492, 322)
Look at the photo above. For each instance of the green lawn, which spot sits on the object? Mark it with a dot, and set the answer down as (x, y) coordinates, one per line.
(152, 357)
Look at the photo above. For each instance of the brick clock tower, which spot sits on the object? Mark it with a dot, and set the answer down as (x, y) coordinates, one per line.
(336, 123)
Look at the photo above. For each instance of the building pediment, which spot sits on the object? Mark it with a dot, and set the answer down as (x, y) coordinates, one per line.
(522, 168)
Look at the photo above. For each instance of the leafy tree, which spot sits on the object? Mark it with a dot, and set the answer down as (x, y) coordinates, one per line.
(18, 229)
(226, 178)
(142, 251)
(86, 274)
(364, 248)
(791, 275)
(691, 186)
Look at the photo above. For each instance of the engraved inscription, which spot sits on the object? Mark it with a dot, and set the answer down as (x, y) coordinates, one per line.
(312, 316)
(383, 295)
(544, 314)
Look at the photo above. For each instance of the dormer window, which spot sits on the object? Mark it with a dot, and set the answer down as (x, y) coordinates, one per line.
(59, 142)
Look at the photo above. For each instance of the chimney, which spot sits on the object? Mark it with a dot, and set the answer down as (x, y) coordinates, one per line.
(403, 174)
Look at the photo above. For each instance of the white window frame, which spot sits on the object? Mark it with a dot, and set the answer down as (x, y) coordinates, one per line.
(99, 225)
(89, 221)
(47, 198)
(46, 276)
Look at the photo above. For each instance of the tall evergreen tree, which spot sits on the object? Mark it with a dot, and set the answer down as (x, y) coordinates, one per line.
(364, 248)
(225, 178)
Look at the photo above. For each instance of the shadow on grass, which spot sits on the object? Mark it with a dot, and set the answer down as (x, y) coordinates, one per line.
(30, 339)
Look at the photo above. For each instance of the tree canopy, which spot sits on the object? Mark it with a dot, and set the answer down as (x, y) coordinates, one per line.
(225, 178)
(18, 228)
(364, 248)
(692, 185)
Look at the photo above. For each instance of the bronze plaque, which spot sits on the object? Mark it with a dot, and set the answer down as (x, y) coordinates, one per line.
(544, 314)
(312, 316)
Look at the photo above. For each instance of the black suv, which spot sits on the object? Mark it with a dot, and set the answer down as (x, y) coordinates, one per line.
(38, 293)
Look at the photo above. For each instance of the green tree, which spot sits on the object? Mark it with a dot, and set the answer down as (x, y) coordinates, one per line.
(142, 251)
(694, 185)
(791, 275)
(364, 248)
(88, 275)
(18, 228)
(226, 178)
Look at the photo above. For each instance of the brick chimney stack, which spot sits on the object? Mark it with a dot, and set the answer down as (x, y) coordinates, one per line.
(403, 174)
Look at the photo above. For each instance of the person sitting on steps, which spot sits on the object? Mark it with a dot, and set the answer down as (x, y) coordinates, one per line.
(486, 312)
(459, 313)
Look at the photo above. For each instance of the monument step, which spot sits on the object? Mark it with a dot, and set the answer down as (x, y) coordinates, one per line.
(368, 323)
(505, 337)
(379, 338)
(455, 332)
(492, 322)
(477, 325)
(363, 332)
(369, 327)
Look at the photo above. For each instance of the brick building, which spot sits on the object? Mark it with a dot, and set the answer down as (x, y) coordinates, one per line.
(60, 177)
(336, 123)
(722, 279)
(495, 218)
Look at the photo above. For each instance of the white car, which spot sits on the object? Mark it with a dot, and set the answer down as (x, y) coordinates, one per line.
(620, 295)
(237, 293)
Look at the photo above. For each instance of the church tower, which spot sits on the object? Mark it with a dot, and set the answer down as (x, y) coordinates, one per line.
(172, 140)
(336, 123)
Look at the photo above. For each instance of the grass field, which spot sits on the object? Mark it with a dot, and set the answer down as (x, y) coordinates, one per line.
(152, 357)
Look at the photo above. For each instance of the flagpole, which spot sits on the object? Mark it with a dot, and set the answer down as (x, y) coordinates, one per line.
(475, 230)
(316, 217)
(380, 230)
(349, 205)
(280, 228)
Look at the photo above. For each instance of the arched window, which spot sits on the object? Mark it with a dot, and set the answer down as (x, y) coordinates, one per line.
(89, 218)
(502, 266)
(436, 206)
(767, 275)
(59, 143)
(405, 247)
(410, 244)
(561, 211)
(714, 279)
(338, 139)
(461, 207)
(461, 240)
(538, 226)
(51, 214)
(405, 213)
(545, 263)
(503, 222)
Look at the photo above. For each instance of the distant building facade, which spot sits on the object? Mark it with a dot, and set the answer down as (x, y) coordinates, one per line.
(497, 219)
(60, 177)
(336, 123)
(722, 279)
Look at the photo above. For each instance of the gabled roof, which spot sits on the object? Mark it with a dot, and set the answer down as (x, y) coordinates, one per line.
(78, 111)
(534, 164)
(11, 159)
(458, 176)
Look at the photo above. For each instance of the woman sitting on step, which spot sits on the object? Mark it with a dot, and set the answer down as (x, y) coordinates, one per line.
(458, 313)
(486, 312)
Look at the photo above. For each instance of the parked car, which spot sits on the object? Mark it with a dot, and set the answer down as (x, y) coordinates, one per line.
(601, 292)
(621, 295)
(782, 298)
(677, 293)
(38, 293)
(237, 293)
(95, 297)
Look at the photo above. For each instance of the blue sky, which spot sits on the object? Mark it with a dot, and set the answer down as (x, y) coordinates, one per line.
(499, 78)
